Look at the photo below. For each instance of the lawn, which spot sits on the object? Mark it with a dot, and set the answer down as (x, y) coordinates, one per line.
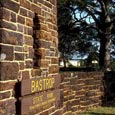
(101, 111)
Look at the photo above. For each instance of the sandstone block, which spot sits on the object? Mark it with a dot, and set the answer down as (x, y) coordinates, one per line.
(25, 4)
(22, 66)
(10, 5)
(7, 85)
(29, 22)
(54, 60)
(13, 17)
(23, 12)
(36, 72)
(9, 71)
(7, 51)
(19, 56)
(20, 28)
(9, 37)
(25, 74)
(28, 40)
(7, 107)
(44, 63)
(5, 95)
(53, 69)
(29, 64)
(21, 19)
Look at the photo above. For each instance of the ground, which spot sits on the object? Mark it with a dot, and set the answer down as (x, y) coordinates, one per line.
(101, 111)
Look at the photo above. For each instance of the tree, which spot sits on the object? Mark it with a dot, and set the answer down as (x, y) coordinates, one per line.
(66, 44)
(94, 19)
(68, 36)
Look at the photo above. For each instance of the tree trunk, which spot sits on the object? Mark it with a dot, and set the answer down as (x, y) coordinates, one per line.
(64, 60)
(105, 44)
(107, 51)
(105, 28)
(102, 51)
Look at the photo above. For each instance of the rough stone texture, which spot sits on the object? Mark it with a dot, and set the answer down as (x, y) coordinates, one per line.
(29, 64)
(4, 14)
(25, 74)
(9, 71)
(4, 24)
(28, 40)
(7, 85)
(21, 19)
(9, 37)
(28, 48)
(10, 5)
(54, 60)
(19, 56)
(7, 107)
(7, 51)
(21, 65)
(5, 95)
(53, 69)
(81, 90)
(36, 72)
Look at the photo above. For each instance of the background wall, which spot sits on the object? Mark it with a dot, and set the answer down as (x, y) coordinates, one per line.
(81, 90)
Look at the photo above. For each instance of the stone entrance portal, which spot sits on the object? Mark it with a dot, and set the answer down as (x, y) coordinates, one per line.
(29, 77)
(29, 71)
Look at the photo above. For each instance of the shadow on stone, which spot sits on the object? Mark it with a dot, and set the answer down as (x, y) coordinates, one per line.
(109, 89)
(17, 90)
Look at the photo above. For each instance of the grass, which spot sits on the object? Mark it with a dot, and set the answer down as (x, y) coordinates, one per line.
(100, 111)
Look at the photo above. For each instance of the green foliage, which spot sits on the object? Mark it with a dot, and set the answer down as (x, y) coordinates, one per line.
(72, 37)
(1, 3)
(83, 24)
(100, 111)
(65, 34)
(113, 65)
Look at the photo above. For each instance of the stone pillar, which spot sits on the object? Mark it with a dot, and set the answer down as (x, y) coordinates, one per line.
(28, 46)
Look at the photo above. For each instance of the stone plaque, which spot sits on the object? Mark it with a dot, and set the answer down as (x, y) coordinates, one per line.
(34, 85)
(39, 102)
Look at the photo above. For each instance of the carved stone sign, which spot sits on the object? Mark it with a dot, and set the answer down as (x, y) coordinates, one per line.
(39, 102)
(34, 85)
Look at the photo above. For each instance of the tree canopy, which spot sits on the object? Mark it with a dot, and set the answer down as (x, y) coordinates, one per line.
(87, 26)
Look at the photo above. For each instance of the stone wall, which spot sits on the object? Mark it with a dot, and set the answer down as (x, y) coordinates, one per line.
(81, 90)
(29, 71)
(28, 47)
